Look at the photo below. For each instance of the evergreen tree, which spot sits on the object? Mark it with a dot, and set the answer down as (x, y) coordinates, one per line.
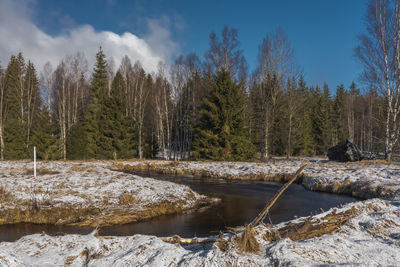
(77, 142)
(45, 138)
(318, 122)
(116, 132)
(221, 133)
(33, 102)
(14, 131)
(338, 115)
(90, 128)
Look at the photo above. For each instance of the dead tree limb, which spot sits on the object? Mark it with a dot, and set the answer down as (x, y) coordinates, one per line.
(247, 241)
(264, 212)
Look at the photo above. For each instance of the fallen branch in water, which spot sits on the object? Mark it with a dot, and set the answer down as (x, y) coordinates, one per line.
(264, 212)
(247, 241)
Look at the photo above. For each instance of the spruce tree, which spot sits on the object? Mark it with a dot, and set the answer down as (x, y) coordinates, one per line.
(221, 133)
(14, 130)
(338, 115)
(116, 132)
(33, 102)
(318, 122)
(89, 131)
(45, 137)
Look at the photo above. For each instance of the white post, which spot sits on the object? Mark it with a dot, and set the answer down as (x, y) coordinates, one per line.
(34, 161)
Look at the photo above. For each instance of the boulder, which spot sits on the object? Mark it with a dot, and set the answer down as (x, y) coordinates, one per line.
(344, 152)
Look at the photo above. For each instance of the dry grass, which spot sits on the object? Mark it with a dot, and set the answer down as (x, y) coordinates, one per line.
(41, 171)
(126, 198)
(247, 242)
(5, 195)
(80, 168)
(312, 227)
(69, 260)
(172, 168)
(221, 243)
(89, 255)
(37, 212)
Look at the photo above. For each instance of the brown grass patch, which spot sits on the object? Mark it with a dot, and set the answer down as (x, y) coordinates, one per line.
(126, 198)
(80, 168)
(221, 243)
(312, 227)
(41, 171)
(247, 242)
(5, 195)
(69, 260)
(172, 168)
(90, 255)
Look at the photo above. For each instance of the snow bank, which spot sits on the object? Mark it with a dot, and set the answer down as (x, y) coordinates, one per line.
(371, 238)
(87, 185)
(364, 180)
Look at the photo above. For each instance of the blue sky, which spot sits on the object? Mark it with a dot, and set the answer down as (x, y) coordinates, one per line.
(323, 33)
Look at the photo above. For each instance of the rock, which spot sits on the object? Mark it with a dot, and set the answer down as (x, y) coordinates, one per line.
(344, 152)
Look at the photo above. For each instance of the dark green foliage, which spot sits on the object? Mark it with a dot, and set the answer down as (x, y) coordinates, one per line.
(45, 138)
(91, 124)
(222, 133)
(14, 133)
(116, 131)
(76, 143)
(338, 115)
(23, 101)
(319, 121)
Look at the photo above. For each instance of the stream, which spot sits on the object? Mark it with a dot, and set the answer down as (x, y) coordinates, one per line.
(240, 202)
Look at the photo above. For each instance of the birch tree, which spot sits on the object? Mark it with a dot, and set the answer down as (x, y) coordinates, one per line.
(140, 97)
(46, 77)
(275, 64)
(379, 53)
(225, 54)
(60, 104)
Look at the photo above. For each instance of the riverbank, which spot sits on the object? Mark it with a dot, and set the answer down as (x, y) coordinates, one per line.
(364, 180)
(86, 194)
(368, 234)
(359, 233)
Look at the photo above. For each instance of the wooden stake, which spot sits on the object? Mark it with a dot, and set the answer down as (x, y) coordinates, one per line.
(34, 161)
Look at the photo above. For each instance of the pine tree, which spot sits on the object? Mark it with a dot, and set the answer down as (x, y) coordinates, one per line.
(222, 133)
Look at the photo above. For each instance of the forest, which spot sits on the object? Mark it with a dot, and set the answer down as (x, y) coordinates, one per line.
(198, 108)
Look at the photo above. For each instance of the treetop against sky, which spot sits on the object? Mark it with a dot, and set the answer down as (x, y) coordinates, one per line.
(323, 33)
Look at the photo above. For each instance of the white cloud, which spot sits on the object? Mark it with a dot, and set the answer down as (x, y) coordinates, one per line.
(19, 34)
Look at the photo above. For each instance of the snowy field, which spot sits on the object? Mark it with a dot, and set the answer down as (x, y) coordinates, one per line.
(365, 233)
(89, 190)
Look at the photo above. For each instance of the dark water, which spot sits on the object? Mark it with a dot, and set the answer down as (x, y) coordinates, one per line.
(241, 201)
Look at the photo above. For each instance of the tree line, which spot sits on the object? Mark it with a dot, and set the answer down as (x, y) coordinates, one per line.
(209, 108)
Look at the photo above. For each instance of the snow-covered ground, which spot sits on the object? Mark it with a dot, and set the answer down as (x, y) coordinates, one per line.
(370, 237)
(87, 186)
(364, 180)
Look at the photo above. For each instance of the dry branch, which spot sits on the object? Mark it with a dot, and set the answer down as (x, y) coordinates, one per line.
(264, 212)
(247, 241)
